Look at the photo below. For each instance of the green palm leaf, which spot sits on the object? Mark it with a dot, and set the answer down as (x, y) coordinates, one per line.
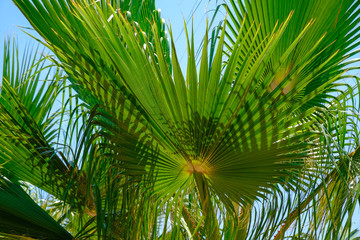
(245, 123)
(27, 126)
(20, 215)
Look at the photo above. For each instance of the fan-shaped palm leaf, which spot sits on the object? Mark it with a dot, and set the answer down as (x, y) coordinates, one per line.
(224, 134)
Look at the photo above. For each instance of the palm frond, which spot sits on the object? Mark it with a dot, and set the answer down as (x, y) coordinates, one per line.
(248, 122)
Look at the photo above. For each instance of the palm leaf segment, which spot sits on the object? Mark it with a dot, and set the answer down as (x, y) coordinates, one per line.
(20, 215)
(25, 154)
(233, 129)
(332, 36)
(27, 127)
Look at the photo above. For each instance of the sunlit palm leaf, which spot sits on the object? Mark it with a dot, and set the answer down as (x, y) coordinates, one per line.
(27, 128)
(231, 131)
(176, 128)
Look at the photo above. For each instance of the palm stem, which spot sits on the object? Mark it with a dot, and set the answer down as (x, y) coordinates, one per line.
(211, 224)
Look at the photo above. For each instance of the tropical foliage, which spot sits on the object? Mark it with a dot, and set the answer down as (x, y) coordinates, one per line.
(107, 137)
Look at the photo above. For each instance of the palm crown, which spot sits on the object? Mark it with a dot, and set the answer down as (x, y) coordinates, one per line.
(255, 136)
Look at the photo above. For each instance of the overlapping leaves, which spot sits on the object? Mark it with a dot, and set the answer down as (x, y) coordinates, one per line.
(230, 130)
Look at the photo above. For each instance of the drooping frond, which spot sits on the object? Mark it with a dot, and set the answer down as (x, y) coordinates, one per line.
(26, 149)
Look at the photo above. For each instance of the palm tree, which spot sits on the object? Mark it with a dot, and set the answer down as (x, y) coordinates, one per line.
(257, 140)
